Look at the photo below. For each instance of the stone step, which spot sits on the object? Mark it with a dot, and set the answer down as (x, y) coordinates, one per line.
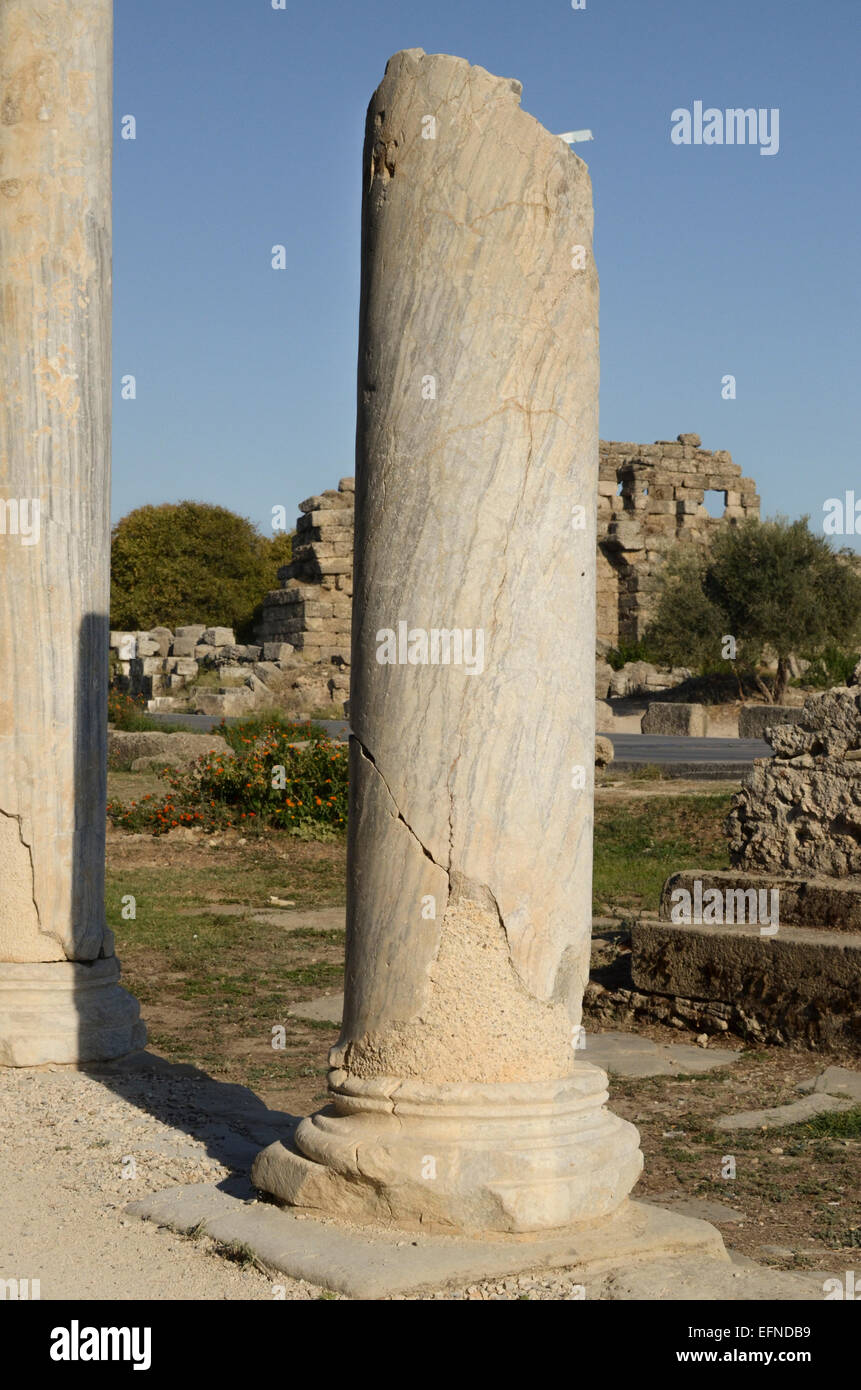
(833, 904)
(801, 984)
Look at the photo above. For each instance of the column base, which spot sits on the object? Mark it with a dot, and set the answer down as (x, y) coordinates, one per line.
(66, 1011)
(469, 1157)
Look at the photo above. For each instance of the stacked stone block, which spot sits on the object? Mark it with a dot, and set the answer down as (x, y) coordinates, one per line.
(312, 610)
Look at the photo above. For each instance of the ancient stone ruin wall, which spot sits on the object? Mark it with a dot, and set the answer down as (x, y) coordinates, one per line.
(313, 608)
(650, 498)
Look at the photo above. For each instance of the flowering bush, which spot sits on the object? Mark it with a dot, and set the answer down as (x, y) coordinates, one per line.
(128, 713)
(267, 782)
(266, 725)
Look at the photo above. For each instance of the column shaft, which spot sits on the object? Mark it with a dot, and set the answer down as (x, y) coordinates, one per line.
(55, 383)
(457, 1091)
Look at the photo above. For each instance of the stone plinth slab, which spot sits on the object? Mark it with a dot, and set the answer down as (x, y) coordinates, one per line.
(376, 1263)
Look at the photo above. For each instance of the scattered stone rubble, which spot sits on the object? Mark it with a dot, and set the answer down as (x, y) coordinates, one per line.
(801, 810)
(166, 670)
(636, 678)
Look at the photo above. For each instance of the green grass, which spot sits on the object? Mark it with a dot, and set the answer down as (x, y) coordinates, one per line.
(239, 1253)
(640, 843)
(835, 1124)
(167, 899)
(318, 973)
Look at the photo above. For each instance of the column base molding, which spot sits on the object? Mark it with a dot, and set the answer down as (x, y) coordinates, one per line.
(66, 1012)
(511, 1158)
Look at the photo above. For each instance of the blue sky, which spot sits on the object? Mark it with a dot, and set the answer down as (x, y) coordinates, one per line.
(713, 260)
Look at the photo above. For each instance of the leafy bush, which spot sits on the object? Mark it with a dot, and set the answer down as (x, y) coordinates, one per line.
(774, 586)
(832, 667)
(127, 713)
(629, 651)
(267, 782)
(191, 562)
(268, 722)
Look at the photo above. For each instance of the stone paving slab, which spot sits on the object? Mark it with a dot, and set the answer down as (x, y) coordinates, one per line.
(371, 1263)
(699, 1207)
(835, 1081)
(629, 1054)
(778, 1115)
(326, 1008)
(291, 919)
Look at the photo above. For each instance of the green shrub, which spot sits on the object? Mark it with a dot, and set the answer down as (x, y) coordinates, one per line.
(129, 714)
(774, 586)
(268, 722)
(629, 651)
(832, 667)
(191, 562)
(218, 790)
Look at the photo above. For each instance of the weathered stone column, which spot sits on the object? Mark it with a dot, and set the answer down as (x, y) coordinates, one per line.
(59, 997)
(459, 1095)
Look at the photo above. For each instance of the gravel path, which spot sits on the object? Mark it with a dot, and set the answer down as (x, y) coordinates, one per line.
(64, 1137)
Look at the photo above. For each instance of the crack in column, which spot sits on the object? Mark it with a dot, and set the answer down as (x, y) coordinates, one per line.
(446, 868)
(11, 815)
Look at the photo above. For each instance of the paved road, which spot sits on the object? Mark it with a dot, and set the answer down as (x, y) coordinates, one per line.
(657, 749)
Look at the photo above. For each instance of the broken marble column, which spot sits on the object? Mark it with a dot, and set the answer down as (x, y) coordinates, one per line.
(59, 996)
(459, 1094)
